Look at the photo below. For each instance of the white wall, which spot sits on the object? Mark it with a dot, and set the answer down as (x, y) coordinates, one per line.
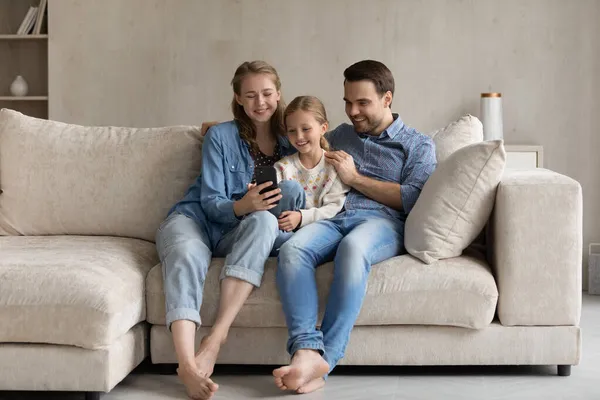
(164, 62)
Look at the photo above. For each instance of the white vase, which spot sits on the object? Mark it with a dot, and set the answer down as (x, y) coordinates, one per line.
(19, 87)
(491, 116)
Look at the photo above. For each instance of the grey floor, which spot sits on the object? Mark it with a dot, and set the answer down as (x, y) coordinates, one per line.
(493, 383)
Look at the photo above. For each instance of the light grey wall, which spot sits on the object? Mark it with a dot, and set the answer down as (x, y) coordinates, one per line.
(165, 62)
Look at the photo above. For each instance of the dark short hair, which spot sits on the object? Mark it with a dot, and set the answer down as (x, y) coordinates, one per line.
(373, 71)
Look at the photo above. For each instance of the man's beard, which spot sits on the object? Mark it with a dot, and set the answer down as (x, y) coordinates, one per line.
(366, 126)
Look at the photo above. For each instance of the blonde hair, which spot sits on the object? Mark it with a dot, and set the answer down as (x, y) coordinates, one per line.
(314, 106)
(244, 123)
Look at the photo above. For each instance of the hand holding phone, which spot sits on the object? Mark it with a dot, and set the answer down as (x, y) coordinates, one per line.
(264, 175)
(264, 195)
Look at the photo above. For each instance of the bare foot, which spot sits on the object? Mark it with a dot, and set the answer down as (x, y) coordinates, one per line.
(311, 386)
(197, 385)
(279, 380)
(206, 357)
(307, 366)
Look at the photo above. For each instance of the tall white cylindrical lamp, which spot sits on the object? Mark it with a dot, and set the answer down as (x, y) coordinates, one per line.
(491, 116)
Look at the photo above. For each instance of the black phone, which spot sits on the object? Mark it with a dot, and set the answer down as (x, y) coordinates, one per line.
(266, 174)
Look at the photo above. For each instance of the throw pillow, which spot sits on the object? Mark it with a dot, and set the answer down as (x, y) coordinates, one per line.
(456, 202)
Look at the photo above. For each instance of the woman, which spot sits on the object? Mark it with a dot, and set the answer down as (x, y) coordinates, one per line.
(223, 214)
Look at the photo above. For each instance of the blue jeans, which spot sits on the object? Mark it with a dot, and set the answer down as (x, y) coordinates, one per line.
(185, 252)
(354, 240)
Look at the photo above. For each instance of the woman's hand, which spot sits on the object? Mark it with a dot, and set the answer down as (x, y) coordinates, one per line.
(289, 220)
(254, 201)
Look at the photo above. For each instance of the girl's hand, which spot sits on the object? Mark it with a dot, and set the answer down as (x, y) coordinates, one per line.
(254, 201)
(289, 220)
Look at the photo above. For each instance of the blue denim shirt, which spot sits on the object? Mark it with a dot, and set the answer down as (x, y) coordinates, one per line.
(399, 154)
(227, 168)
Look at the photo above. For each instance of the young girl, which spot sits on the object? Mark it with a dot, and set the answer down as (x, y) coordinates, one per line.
(306, 123)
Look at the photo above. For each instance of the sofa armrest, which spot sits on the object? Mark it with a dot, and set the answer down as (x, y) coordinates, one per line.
(536, 248)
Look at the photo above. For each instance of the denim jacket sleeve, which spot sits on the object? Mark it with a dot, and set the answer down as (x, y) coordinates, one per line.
(215, 203)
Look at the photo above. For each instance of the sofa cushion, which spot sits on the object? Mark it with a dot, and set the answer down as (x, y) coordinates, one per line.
(60, 179)
(401, 291)
(464, 131)
(455, 203)
(72, 290)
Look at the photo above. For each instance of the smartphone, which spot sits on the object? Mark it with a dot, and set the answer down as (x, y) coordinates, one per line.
(266, 174)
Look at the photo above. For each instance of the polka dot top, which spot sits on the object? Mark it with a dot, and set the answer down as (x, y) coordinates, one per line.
(263, 160)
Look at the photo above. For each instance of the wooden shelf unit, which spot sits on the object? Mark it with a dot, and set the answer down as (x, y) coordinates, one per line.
(25, 55)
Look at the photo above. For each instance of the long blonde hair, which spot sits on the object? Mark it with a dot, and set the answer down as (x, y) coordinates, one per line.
(245, 125)
(314, 106)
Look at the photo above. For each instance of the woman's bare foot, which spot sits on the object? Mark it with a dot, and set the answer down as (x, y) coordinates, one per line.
(306, 367)
(311, 386)
(206, 357)
(197, 385)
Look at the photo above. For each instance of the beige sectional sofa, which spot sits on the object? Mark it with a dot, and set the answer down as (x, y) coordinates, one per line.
(81, 301)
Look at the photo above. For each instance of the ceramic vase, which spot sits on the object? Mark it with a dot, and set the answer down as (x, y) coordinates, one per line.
(19, 87)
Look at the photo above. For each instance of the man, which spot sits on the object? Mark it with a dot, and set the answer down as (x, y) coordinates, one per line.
(386, 164)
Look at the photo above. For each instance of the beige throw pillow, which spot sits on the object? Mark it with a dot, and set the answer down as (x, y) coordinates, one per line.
(456, 202)
(464, 131)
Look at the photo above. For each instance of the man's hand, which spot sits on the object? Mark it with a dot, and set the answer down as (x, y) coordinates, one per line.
(254, 201)
(289, 220)
(344, 165)
(206, 125)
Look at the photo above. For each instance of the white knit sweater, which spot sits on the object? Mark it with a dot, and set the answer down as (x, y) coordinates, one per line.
(325, 192)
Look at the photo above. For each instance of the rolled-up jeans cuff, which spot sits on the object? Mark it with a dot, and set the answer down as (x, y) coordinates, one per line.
(189, 314)
(244, 274)
(307, 346)
(329, 361)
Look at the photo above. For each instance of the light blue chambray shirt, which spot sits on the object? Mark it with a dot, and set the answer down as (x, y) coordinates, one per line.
(227, 169)
(399, 154)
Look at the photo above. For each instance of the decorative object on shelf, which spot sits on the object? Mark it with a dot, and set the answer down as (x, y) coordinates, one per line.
(19, 87)
(28, 22)
(37, 29)
(491, 116)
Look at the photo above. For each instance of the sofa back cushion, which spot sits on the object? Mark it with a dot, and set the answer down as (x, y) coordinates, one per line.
(464, 131)
(64, 179)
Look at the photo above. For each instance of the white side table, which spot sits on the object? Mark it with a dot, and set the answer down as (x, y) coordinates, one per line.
(524, 156)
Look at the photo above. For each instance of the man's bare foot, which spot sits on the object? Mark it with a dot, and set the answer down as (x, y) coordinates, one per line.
(311, 386)
(197, 385)
(206, 357)
(306, 367)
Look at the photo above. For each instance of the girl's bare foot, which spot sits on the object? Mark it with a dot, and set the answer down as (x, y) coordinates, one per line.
(311, 386)
(306, 367)
(197, 385)
(206, 357)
